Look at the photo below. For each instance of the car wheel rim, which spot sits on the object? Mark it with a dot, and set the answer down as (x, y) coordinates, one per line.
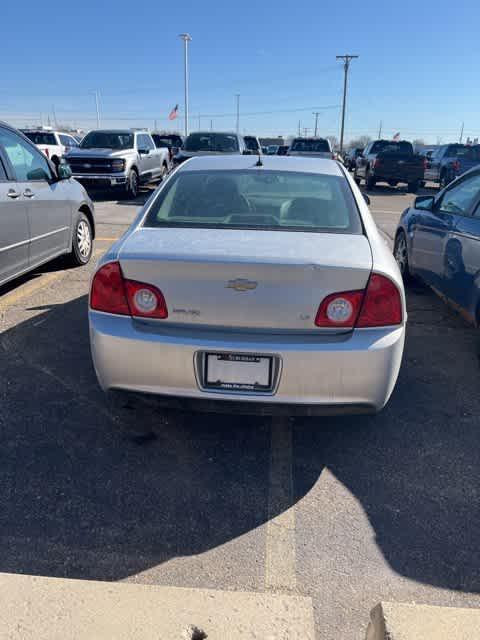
(84, 240)
(401, 254)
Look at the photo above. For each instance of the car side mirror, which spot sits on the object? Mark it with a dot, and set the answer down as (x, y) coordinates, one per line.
(366, 198)
(64, 171)
(144, 152)
(424, 203)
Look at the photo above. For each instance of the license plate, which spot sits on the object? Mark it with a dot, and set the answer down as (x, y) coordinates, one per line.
(238, 372)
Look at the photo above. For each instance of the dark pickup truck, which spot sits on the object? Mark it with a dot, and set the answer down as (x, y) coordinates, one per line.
(392, 162)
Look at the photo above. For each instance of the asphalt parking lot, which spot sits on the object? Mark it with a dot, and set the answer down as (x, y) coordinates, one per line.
(348, 511)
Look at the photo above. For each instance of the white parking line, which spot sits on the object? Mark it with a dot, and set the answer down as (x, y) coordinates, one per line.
(280, 563)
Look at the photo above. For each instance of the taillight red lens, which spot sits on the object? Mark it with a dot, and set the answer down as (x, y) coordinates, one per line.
(425, 163)
(382, 305)
(456, 165)
(145, 300)
(112, 293)
(47, 153)
(376, 163)
(339, 309)
(108, 290)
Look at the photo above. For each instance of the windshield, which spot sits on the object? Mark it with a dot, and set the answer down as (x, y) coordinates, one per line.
(211, 142)
(311, 146)
(41, 137)
(107, 140)
(259, 199)
(386, 146)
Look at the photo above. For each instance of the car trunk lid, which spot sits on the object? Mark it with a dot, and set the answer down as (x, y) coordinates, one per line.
(259, 280)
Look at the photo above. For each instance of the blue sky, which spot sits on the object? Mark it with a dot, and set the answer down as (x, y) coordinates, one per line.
(417, 71)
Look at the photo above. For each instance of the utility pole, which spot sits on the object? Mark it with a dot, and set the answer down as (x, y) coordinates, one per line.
(186, 39)
(299, 128)
(461, 133)
(316, 114)
(305, 131)
(54, 117)
(211, 125)
(98, 109)
(199, 122)
(347, 58)
(154, 125)
(380, 130)
(237, 95)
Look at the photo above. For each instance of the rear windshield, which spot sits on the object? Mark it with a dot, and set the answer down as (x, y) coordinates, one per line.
(107, 140)
(211, 142)
(251, 143)
(167, 141)
(463, 151)
(256, 199)
(311, 146)
(40, 137)
(384, 146)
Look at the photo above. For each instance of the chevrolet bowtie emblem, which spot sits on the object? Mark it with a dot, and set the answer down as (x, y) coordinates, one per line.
(240, 284)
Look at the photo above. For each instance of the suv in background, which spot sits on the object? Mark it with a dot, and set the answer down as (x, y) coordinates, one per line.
(203, 143)
(119, 159)
(351, 157)
(54, 144)
(447, 162)
(311, 147)
(172, 141)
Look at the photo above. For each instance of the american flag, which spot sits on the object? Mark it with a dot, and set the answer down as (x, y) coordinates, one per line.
(396, 137)
(173, 113)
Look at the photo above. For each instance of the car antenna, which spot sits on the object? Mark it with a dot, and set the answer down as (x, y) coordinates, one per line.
(259, 162)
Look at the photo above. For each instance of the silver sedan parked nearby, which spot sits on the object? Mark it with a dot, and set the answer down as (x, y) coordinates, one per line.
(263, 281)
(44, 213)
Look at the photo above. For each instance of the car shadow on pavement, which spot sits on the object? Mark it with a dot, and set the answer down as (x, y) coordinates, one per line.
(91, 490)
(385, 190)
(144, 192)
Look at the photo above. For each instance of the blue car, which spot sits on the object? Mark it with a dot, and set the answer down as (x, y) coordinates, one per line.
(438, 240)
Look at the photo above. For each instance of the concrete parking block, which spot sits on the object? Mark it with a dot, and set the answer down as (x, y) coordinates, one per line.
(393, 621)
(41, 608)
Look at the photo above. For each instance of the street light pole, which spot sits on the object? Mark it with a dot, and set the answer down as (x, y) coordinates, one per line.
(186, 39)
(347, 58)
(237, 95)
(316, 114)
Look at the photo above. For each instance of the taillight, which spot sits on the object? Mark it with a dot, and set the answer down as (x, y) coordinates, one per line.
(145, 300)
(339, 309)
(112, 293)
(47, 153)
(456, 165)
(382, 305)
(379, 305)
(425, 163)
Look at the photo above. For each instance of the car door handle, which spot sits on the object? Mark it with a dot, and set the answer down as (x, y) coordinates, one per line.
(11, 193)
(28, 193)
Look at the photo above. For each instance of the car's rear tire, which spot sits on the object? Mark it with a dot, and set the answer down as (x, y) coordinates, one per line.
(400, 252)
(413, 187)
(163, 173)
(55, 161)
(369, 180)
(82, 241)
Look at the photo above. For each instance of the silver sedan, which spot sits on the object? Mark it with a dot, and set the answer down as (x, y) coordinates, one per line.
(262, 281)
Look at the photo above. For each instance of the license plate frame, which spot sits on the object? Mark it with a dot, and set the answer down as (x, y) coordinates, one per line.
(236, 359)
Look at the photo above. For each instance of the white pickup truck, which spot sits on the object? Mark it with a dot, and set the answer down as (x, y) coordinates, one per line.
(119, 159)
(54, 144)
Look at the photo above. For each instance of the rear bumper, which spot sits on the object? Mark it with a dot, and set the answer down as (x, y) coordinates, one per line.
(382, 175)
(352, 373)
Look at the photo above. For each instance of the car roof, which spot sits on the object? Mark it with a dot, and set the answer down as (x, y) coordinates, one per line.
(205, 133)
(119, 131)
(272, 163)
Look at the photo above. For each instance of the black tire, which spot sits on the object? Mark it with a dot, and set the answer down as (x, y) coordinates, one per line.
(369, 180)
(355, 176)
(413, 187)
(55, 161)
(131, 188)
(400, 253)
(82, 241)
(164, 173)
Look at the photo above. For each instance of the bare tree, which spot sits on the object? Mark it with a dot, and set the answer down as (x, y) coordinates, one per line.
(360, 142)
